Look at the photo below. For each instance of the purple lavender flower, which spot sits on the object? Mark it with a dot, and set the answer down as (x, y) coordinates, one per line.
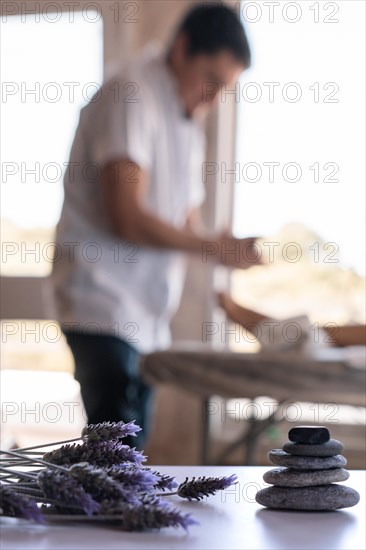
(18, 506)
(110, 453)
(149, 513)
(204, 486)
(106, 431)
(99, 484)
(65, 455)
(103, 454)
(133, 477)
(64, 488)
(165, 482)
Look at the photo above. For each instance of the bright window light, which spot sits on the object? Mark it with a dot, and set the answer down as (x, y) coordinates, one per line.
(302, 107)
(49, 72)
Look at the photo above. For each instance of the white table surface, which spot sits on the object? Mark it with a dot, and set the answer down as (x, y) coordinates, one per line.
(229, 520)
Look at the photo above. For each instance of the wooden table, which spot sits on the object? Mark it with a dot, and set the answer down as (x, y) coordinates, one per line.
(229, 520)
(332, 376)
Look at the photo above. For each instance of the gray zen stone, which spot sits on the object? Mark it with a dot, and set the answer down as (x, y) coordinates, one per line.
(286, 477)
(323, 497)
(309, 435)
(278, 457)
(331, 448)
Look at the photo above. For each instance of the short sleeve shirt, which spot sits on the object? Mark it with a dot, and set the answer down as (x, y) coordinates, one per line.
(102, 283)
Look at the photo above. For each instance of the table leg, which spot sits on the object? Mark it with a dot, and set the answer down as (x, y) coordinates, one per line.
(205, 449)
(250, 437)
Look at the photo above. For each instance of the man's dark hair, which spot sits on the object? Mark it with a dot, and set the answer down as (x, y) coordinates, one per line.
(212, 28)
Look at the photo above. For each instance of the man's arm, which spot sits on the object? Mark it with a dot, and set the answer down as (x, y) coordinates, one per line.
(352, 335)
(194, 222)
(124, 185)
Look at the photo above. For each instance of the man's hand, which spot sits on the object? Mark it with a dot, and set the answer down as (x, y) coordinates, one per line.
(124, 186)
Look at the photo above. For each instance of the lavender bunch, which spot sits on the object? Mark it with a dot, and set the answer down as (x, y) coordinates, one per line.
(14, 505)
(204, 486)
(101, 479)
(64, 488)
(103, 454)
(107, 431)
(150, 513)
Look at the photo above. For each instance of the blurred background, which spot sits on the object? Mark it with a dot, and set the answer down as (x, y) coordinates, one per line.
(288, 146)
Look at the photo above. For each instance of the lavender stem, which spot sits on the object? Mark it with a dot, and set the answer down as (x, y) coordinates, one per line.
(28, 492)
(9, 464)
(60, 517)
(22, 449)
(15, 474)
(36, 460)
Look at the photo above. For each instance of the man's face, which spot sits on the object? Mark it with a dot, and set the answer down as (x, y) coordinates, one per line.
(202, 77)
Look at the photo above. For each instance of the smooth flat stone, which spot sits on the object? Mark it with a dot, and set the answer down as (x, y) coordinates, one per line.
(330, 448)
(309, 435)
(286, 477)
(278, 457)
(323, 497)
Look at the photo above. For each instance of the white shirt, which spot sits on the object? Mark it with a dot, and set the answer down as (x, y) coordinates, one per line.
(103, 284)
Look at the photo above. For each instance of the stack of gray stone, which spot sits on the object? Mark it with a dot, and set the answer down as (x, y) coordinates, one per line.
(310, 464)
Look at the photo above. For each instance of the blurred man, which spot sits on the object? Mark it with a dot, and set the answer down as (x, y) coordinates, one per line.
(132, 190)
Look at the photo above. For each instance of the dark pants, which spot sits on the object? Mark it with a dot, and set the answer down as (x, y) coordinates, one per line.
(107, 369)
